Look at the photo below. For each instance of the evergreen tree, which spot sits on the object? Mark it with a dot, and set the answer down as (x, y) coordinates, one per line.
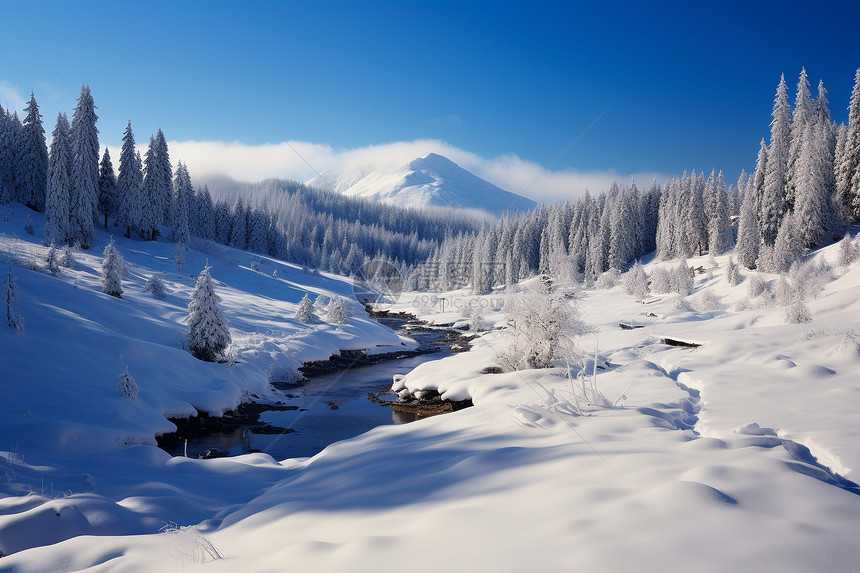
(129, 184)
(14, 321)
(636, 282)
(697, 221)
(31, 179)
(305, 311)
(107, 187)
(155, 286)
(52, 260)
(208, 334)
(788, 247)
(113, 268)
(127, 387)
(803, 116)
(719, 226)
(773, 205)
(162, 161)
(154, 185)
(58, 201)
(182, 193)
(238, 233)
(851, 157)
(337, 311)
(749, 235)
(85, 169)
(205, 214)
(812, 194)
(7, 158)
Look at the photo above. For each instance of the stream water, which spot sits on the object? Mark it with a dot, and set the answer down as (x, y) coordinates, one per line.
(327, 409)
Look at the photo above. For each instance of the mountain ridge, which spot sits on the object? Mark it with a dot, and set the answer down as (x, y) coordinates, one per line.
(429, 181)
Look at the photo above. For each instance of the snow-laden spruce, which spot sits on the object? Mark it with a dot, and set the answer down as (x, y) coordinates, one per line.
(58, 201)
(127, 387)
(305, 311)
(113, 268)
(337, 312)
(107, 187)
(85, 170)
(155, 286)
(208, 334)
(14, 321)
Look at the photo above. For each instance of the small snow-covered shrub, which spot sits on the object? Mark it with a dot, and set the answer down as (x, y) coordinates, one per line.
(275, 273)
(155, 286)
(277, 373)
(608, 279)
(707, 301)
(661, 282)
(797, 313)
(28, 225)
(733, 273)
(305, 311)
(848, 251)
(68, 259)
(542, 326)
(683, 304)
(743, 304)
(127, 387)
(52, 260)
(321, 303)
(810, 278)
(337, 312)
(756, 285)
(636, 282)
(784, 293)
(681, 279)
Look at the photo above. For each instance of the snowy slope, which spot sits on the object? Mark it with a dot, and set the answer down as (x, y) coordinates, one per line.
(430, 181)
(702, 468)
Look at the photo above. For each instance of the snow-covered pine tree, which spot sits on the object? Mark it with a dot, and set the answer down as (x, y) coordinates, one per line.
(68, 259)
(733, 273)
(155, 286)
(636, 282)
(773, 207)
(337, 311)
(238, 229)
(183, 192)
(305, 311)
(153, 203)
(58, 200)
(749, 236)
(848, 251)
(31, 159)
(113, 268)
(179, 255)
(52, 260)
(129, 184)
(127, 387)
(788, 247)
(719, 225)
(852, 150)
(697, 221)
(84, 178)
(208, 333)
(14, 321)
(812, 205)
(7, 157)
(107, 187)
(205, 214)
(802, 116)
(166, 176)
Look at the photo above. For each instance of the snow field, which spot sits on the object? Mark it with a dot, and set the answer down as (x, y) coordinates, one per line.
(699, 469)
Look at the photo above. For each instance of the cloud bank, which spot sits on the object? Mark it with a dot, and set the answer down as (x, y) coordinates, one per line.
(302, 161)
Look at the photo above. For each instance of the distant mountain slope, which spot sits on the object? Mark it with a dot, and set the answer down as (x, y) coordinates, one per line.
(430, 181)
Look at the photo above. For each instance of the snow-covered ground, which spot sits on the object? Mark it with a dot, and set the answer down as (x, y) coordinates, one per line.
(738, 455)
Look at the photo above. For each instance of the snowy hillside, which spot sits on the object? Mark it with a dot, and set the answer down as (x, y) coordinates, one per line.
(740, 454)
(430, 181)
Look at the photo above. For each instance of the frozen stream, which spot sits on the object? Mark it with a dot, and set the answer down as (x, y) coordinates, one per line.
(327, 409)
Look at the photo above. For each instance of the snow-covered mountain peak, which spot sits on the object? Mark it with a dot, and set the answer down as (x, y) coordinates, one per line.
(429, 181)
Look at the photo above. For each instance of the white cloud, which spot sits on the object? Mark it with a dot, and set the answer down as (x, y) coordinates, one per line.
(10, 99)
(302, 161)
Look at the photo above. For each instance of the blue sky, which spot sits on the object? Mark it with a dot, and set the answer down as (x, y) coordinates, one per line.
(675, 85)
